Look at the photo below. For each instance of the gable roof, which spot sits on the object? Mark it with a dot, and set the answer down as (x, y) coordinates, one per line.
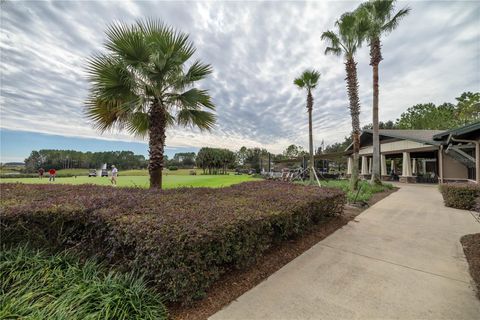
(469, 129)
(421, 136)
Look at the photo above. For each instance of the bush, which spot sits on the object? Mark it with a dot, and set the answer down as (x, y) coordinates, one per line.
(460, 195)
(34, 285)
(173, 168)
(181, 239)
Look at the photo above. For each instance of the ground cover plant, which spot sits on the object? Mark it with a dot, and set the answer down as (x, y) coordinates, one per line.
(365, 190)
(36, 285)
(460, 195)
(181, 239)
(142, 181)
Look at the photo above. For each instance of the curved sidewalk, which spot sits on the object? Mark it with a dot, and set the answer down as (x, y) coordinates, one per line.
(400, 259)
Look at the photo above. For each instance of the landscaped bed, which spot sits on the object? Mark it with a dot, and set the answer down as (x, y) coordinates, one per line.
(471, 247)
(37, 285)
(182, 240)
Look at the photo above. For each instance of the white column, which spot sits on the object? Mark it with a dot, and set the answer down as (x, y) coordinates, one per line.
(364, 165)
(383, 165)
(424, 166)
(414, 166)
(392, 166)
(406, 165)
(349, 165)
(369, 165)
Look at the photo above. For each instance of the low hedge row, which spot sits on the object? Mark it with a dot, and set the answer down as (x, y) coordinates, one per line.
(181, 239)
(460, 195)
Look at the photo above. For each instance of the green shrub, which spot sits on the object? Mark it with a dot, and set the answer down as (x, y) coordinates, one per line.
(34, 285)
(460, 195)
(173, 168)
(181, 239)
(365, 192)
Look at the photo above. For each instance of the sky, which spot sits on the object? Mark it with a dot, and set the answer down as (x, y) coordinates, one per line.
(256, 49)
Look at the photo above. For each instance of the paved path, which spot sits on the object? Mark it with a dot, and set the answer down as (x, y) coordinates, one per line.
(400, 259)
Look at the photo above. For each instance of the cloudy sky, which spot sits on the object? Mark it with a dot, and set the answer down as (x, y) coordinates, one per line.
(256, 50)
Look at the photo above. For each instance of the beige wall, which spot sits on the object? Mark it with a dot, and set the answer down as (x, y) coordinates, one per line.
(399, 146)
(452, 169)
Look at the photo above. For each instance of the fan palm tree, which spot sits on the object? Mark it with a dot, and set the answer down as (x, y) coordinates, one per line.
(380, 18)
(143, 86)
(308, 80)
(346, 41)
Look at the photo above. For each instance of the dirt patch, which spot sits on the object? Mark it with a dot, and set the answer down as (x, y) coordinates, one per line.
(235, 283)
(471, 247)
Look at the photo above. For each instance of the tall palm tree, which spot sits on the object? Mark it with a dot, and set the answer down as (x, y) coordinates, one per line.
(380, 18)
(142, 85)
(346, 41)
(308, 80)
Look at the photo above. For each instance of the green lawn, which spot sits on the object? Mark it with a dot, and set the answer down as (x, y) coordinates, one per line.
(169, 180)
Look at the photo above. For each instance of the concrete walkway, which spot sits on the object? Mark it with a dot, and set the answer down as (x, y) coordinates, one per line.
(400, 259)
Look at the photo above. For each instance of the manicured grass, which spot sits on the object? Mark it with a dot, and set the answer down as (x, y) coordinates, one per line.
(35, 285)
(366, 189)
(169, 180)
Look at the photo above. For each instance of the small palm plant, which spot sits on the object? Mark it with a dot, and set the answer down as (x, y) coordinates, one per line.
(142, 85)
(380, 18)
(346, 41)
(308, 80)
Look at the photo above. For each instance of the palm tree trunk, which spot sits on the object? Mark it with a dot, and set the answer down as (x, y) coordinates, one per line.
(156, 144)
(375, 58)
(352, 88)
(310, 135)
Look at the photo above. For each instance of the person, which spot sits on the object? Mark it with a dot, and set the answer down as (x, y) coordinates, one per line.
(41, 171)
(52, 173)
(114, 175)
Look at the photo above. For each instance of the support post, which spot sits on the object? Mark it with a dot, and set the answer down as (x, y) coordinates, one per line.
(364, 166)
(349, 165)
(407, 169)
(414, 166)
(370, 165)
(440, 164)
(383, 165)
(477, 162)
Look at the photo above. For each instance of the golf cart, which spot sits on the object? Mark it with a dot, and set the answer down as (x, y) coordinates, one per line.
(92, 173)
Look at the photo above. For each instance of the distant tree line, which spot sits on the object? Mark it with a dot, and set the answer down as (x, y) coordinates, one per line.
(66, 159)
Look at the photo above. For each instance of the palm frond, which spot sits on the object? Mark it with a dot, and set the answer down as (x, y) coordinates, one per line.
(192, 99)
(128, 43)
(202, 119)
(308, 79)
(393, 23)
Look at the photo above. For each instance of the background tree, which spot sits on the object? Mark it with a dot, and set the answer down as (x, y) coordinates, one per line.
(428, 116)
(293, 151)
(346, 41)
(215, 160)
(380, 18)
(142, 85)
(468, 108)
(308, 80)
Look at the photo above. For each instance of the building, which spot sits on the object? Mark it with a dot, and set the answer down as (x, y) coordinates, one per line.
(423, 155)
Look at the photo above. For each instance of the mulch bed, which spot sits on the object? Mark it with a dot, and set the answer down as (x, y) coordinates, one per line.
(471, 247)
(233, 284)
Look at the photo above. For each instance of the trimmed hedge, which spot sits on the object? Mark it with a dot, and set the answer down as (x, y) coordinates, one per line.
(181, 239)
(460, 195)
